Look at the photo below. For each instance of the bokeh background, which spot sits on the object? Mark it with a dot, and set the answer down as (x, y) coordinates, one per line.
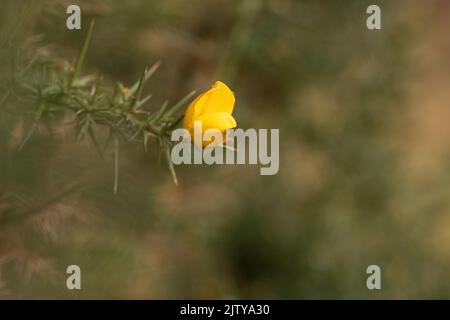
(364, 155)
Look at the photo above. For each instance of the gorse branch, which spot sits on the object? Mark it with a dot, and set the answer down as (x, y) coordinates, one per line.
(119, 109)
(82, 54)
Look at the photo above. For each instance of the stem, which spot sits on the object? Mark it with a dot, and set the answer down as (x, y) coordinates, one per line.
(82, 54)
(116, 164)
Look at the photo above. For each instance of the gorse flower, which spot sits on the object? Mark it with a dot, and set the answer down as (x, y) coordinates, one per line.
(212, 109)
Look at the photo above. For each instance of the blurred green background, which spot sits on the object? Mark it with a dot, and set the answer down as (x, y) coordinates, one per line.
(364, 155)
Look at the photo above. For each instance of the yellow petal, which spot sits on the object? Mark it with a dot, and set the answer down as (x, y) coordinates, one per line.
(219, 120)
(193, 111)
(219, 98)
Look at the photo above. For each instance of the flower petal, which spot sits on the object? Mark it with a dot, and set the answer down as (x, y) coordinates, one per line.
(193, 111)
(219, 98)
(219, 120)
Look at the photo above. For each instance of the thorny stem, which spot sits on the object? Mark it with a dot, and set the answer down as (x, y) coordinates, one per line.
(94, 105)
(82, 54)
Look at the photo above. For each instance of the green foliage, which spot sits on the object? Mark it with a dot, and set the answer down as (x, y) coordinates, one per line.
(119, 110)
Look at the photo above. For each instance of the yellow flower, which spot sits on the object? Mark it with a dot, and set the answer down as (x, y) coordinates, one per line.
(213, 109)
